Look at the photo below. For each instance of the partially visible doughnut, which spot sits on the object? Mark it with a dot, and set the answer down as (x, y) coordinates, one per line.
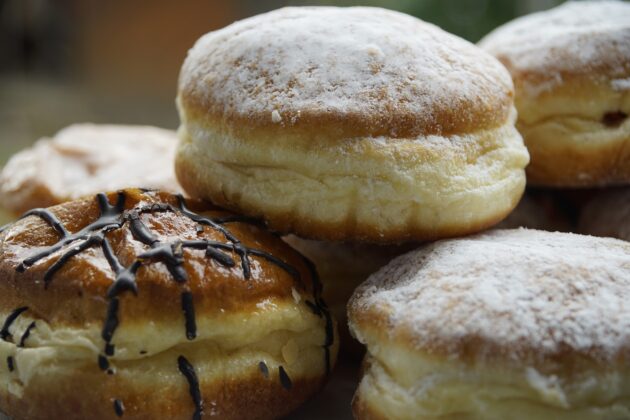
(342, 267)
(134, 302)
(83, 159)
(571, 71)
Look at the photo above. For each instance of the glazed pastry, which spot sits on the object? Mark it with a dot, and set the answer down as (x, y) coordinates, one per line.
(571, 70)
(607, 214)
(342, 267)
(349, 124)
(134, 304)
(84, 159)
(509, 324)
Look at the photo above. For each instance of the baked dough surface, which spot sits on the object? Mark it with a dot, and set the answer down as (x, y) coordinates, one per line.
(514, 324)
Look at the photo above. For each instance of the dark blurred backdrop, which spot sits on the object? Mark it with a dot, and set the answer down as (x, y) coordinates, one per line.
(65, 61)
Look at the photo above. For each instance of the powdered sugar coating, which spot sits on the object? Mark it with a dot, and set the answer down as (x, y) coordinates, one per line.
(586, 38)
(385, 70)
(84, 159)
(511, 294)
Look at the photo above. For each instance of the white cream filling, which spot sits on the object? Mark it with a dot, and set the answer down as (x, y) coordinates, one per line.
(278, 335)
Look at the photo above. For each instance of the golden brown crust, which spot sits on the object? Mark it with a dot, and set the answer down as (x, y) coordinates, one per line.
(570, 50)
(464, 118)
(532, 319)
(395, 79)
(532, 81)
(39, 197)
(88, 394)
(75, 294)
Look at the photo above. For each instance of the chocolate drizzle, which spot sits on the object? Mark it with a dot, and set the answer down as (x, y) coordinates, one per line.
(119, 408)
(26, 334)
(103, 363)
(236, 245)
(188, 371)
(320, 309)
(262, 366)
(10, 363)
(189, 315)
(125, 276)
(110, 325)
(50, 218)
(4, 332)
(284, 379)
(91, 235)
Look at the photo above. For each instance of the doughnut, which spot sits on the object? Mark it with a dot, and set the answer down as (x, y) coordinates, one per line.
(607, 214)
(144, 305)
(509, 324)
(342, 267)
(349, 124)
(571, 71)
(83, 159)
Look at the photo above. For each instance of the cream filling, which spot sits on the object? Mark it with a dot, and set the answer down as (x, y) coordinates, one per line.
(231, 344)
(414, 387)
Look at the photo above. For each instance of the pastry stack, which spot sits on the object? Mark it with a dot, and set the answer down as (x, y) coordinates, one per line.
(359, 134)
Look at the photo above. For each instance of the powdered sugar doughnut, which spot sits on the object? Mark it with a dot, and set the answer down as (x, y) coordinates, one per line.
(349, 123)
(84, 159)
(571, 70)
(518, 324)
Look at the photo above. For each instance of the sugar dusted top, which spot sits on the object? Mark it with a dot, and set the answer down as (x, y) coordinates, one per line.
(84, 159)
(586, 38)
(363, 71)
(509, 294)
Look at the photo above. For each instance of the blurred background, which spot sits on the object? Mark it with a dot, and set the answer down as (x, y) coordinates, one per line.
(117, 61)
